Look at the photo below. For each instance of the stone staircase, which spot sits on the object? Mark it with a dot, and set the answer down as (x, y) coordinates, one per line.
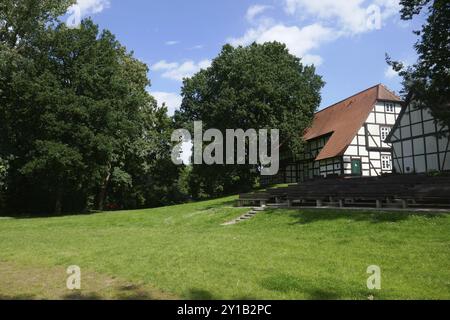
(281, 205)
(393, 204)
(249, 215)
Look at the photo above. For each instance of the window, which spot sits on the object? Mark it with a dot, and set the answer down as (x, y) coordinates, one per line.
(384, 133)
(386, 162)
(291, 174)
(390, 107)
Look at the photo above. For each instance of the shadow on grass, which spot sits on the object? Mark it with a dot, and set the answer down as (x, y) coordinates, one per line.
(78, 295)
(219, 205)
(81, 296)
(126, 292)
(311, 216)
(17, 298)
(200, 294)
(29, 216)
(322, 289)
(133, 292)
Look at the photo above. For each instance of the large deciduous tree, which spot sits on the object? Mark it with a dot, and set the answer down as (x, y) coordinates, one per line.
(261, 86)
(21, 19)
(77, 121)
(427, 82)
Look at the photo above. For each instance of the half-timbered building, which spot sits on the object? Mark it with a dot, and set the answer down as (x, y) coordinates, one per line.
(347, 138)
(420, 143)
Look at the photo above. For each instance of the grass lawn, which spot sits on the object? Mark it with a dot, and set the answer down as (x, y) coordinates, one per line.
(184, 252)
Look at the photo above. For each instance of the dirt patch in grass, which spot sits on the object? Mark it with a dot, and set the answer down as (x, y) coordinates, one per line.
(18, 282)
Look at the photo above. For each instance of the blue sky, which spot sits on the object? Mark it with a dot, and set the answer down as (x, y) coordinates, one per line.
(346, 39)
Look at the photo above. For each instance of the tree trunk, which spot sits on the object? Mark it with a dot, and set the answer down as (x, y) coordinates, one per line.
(58, 202)
(102, 193)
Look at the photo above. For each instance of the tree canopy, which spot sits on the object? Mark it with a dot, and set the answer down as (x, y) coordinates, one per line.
(261, 86)
(79, 130)
(77, 123)
(427, 82)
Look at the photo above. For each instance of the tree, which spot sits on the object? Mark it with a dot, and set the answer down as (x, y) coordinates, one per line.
(3, 173)
(3, 185)
(77, 114)
(20, 23)
(427, 82)
(78, 127)
(259, 86)
(155, 180)
(21, 19)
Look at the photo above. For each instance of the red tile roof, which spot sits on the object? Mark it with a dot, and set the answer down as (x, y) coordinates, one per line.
(344, 119)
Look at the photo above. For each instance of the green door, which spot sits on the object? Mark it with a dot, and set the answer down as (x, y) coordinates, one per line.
(357, 167)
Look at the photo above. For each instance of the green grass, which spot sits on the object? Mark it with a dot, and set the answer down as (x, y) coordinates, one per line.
(185, 252)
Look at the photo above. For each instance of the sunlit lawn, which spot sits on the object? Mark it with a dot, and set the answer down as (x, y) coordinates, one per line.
(185, 252)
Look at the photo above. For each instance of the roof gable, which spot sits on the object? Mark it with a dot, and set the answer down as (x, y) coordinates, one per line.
(345, 119)
(384, 94)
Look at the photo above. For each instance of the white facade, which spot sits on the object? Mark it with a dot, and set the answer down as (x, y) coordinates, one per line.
(369, 146)
(308, 168)
(368, 155)
(420, 145)
(346, 139)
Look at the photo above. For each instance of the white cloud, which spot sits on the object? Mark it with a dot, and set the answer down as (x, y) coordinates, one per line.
(179, 71)
(172, 43)
(255, 10)
(312, 59)
(298, 40)
(390, 8)
(390, 73)
(172, 100)
(350, 16)
(83, 8)
(197, 47)
(92, 6)
(332, 19)
(164, 65)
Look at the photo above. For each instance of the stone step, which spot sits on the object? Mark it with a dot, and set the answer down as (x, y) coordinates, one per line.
(331, 204)
(229, 223)
(277, 205)
(393, 205)
(249, 215)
